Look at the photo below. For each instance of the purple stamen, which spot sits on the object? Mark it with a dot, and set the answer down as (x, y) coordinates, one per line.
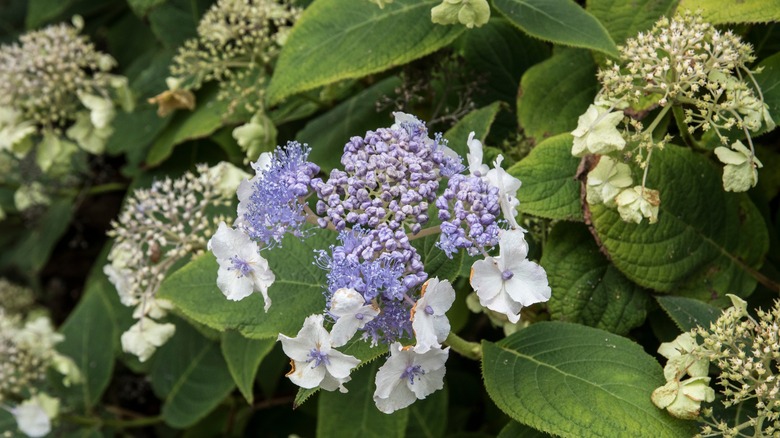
(429, 310)
(240, 265)
(318, 357)
(506, 275)
(411, 372)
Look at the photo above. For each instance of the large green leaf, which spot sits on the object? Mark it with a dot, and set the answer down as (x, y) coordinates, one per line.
(296, 293)
(734, 11)
(502, 53)
(354, 414)
(706, 242)
(328, 133)
(206, 118)
(769, 81)
(625, 19)
(515, 429)
(688, 313)
(91, 338)
(344, 39)
(478, 121)
(549, 188)
(243, 357)
(586, 288)
(558, 21)
(554, 93)
(190, 375)
(577, 381)
(41, 11)
(176, 21)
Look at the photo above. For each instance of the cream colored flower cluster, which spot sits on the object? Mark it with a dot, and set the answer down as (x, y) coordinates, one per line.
(157, 228)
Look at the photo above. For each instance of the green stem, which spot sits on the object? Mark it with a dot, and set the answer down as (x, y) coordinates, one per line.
(470, 350)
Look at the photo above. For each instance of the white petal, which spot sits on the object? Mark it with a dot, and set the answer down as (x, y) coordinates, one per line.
(399, 398)
(306, 375)
(431, 330)
(32, 419)
(529, 284)
(504, 304)
(341, 364)
(486, 278)
(233, 285)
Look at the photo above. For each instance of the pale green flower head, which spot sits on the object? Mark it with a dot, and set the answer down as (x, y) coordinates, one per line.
(606, 180)
(30, 195)
(637, 203)
(740, 172)
(683, 399)
(15, 133)
(87, 135)
(597, 132)
(470, 13)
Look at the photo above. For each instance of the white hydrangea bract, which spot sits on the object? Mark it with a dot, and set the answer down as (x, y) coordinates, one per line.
(474, 157)
(143, 337)
(638, 202)
(228, 177)
(353, 313)
(314, 361)
(681, 360)
(429, 320)
(407, 376)
(33, 416)
(509, 282)
(242, 270)
(683, 398)
(597, 132)
(606, 180)
(740, 172)
(507, 191)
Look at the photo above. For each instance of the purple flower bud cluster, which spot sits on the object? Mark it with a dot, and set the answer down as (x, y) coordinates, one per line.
(390, 177)
(468, 209)
(275, 204)
(364, 263)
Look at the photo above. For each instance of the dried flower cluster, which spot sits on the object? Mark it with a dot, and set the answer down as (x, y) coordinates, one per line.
(746, 350)
(157, 228)
(27, 341)
(238, 41)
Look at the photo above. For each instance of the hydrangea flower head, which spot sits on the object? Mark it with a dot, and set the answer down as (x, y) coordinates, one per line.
(683, 398)
(143, 337)
(274, 205)
(407, 376)
(509, 282)
(314, 361)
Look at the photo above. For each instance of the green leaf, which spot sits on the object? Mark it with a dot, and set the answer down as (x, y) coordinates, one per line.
(586, 288)
(428, 417)
(515, 429)
(502, 53)
(354, 414)
(41, 11)
(91, 339)
(243, 357)
(558, 21)
(176, 21)
(549, 188)
(186, 125)
(190, 375)
(625, 19)
(7, 421)
(345, 39)
(576, 381)
(734, 11)
(328, 133)
(296, 293)
(706, 243)
(142, 7)
(688, 313)
(769, 82)
(554, 93)
(478, 121)
(36, 243)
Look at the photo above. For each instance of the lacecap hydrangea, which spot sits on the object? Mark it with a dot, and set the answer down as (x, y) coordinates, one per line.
(395, 185)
